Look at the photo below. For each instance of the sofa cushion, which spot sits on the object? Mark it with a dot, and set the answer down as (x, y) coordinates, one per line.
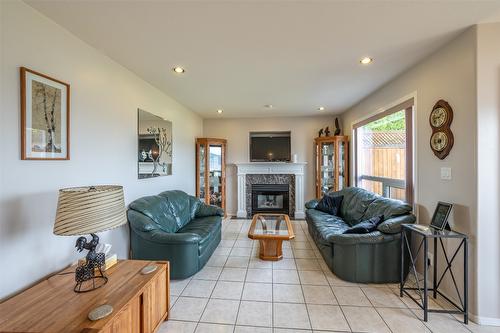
(366, 226)
(387, 207)
(355, 203)
(373, 237)
(181, 206)
(158, 209)
(205, 227)
(330, 204)
(325, 225)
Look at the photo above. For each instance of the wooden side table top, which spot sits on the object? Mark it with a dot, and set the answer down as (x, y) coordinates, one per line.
(53, 306)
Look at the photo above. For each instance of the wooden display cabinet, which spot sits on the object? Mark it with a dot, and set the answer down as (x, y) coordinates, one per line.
(211, 171)
(331, 164)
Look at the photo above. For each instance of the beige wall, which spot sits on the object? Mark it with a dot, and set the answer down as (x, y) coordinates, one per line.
(448, 74)
(104, 101)
(488, 128)
(236, 131)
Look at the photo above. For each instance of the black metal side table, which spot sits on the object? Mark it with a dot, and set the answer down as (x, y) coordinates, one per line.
(428, 233)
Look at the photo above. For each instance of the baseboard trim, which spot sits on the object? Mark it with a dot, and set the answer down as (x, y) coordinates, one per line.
(300, 215)
(487, 321)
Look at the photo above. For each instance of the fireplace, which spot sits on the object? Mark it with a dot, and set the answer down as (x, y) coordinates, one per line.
(270, 198)
(291, 174)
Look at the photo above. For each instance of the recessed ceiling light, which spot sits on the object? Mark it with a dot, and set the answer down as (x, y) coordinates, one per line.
(269, 106)
(178, 70)
(219, 111)
(366, 60)
(321, 108)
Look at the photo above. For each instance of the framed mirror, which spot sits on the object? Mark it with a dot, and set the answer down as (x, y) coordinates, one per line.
(154, 145)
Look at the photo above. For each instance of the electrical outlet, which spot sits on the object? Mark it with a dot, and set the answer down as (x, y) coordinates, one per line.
(430, 258)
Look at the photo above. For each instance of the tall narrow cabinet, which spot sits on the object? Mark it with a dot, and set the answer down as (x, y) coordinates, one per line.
(211, 171)
(331, 164)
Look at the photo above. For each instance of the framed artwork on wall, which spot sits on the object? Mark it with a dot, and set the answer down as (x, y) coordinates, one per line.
(45, 111)
(154, 145)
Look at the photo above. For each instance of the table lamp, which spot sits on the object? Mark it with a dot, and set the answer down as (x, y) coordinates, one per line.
(88, 210)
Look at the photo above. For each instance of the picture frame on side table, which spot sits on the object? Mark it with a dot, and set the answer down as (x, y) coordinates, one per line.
(45, 117)
(440, 217)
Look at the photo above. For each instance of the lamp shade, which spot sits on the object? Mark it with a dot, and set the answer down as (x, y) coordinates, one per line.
(85, 210)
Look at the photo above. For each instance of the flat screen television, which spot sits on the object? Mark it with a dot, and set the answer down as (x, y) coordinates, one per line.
(270, 147)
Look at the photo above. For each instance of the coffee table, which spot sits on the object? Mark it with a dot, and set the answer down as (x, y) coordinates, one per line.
(271, 230)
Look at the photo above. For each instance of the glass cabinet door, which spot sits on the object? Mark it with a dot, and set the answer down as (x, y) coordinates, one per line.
(215, 174)
(342, 182)
(327, 167)
(201, 172)
(210, 172)
(331, 164)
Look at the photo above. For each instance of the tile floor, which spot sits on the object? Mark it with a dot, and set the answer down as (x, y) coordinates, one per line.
(236, 292)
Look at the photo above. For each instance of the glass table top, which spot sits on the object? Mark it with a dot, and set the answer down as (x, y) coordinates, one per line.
(429, 232)
(271, 226)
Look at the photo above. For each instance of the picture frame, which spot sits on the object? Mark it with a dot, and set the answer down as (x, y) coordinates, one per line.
(45, 117)
(440, 217)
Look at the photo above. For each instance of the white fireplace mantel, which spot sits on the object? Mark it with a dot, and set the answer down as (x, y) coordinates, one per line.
(261, 168)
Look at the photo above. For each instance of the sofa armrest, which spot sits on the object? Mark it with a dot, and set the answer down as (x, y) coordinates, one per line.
(393, 225)
(204, 210)
(311, 204)
(140, 222)
(369, 238)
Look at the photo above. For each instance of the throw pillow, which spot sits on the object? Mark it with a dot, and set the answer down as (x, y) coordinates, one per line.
(329, 204)
(366, 226)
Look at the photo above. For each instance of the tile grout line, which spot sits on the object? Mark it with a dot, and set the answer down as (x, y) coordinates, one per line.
(302, 289)
(272, 293)
(376, 310)
(210, 297)
(338, 304)
(243, 288)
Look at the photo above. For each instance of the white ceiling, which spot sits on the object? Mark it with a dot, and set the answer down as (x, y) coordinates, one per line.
(241, 55)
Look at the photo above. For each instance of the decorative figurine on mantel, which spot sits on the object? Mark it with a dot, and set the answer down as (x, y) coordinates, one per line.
(320, 133)
(327, 131)
(337, 127)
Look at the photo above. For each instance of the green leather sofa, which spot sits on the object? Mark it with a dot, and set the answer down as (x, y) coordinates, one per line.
(177, 227)
(364, 258)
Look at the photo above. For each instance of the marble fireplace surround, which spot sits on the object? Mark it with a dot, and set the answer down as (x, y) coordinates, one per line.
(288, 179)
(256, 170)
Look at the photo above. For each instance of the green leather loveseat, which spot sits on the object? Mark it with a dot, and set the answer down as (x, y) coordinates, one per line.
(177, 227)
(374, 257)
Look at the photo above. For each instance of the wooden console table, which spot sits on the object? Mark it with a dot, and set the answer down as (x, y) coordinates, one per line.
(140, 302)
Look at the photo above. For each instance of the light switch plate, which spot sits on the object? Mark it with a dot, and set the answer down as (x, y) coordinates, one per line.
(445, 173)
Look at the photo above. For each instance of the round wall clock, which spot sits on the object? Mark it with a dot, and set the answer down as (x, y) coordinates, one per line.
(440, 120)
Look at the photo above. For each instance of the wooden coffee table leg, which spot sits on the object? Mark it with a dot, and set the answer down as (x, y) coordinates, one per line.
(271, 249)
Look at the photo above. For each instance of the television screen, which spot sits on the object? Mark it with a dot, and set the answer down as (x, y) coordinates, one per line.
(270, 147)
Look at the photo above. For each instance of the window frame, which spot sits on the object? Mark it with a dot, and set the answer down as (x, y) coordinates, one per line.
(409, 107)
